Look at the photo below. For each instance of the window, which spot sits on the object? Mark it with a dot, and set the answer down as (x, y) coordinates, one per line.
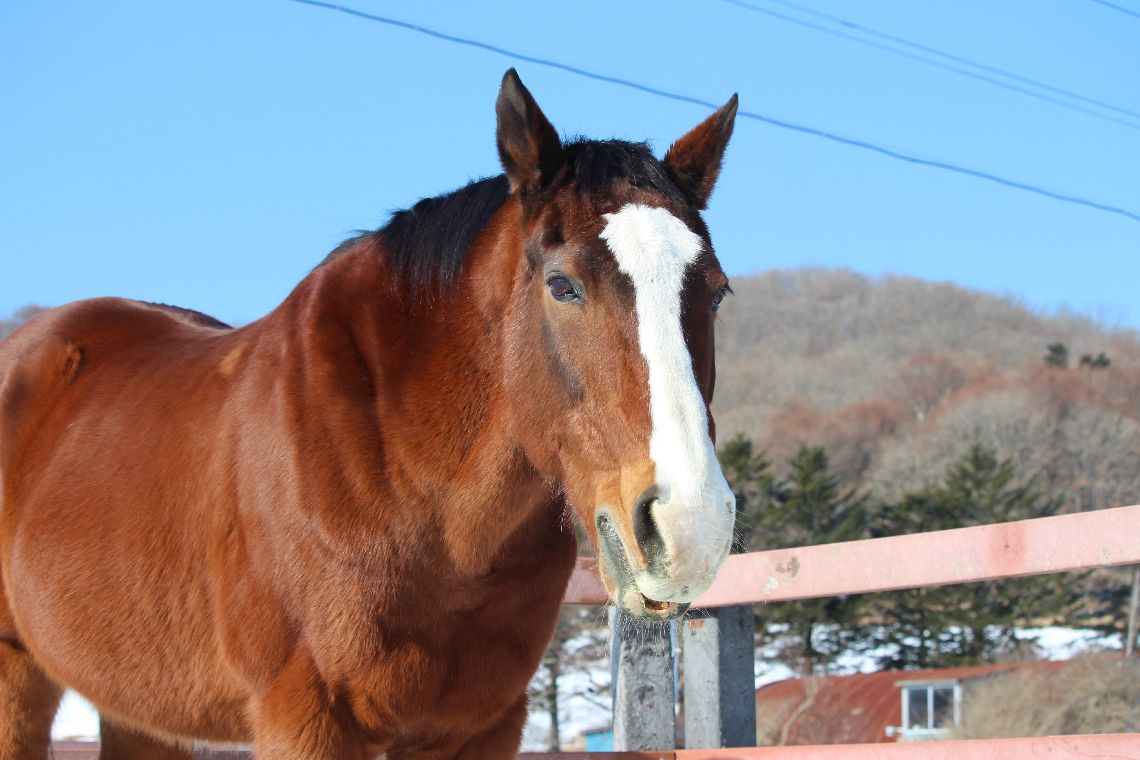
(930, 708)
(942, 707)
(917, 701)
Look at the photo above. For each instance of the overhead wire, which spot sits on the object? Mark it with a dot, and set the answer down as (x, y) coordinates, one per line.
(936, 64)
(847, 23)
(1116, 7)
(745, 114)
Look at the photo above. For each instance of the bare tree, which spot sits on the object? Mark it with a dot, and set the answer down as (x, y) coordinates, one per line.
(896, 377)
(578, 648)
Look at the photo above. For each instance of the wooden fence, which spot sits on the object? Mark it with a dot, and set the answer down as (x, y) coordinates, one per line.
(1109, 537)
(1102, 538)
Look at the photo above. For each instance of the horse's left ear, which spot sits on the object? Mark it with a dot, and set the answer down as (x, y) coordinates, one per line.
(529, 147)
(694, 161)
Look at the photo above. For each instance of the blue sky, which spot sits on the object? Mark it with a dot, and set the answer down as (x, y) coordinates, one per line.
(208, 154)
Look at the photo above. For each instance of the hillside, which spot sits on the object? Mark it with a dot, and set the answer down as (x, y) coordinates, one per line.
(896, 377)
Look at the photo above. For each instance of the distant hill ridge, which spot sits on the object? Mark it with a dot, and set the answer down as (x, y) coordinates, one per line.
(896, 375)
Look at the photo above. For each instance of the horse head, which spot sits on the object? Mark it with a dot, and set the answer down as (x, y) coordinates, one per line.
(609, 344)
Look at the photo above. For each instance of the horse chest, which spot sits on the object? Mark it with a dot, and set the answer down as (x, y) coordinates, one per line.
(460, 665)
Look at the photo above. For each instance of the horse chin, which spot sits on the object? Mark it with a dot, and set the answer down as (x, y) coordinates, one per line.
(637, 604)
(620, 580)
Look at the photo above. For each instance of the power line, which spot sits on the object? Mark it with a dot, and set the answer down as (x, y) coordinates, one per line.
(952, 57)
(1116, 7)
(754, 116)
(931, 62)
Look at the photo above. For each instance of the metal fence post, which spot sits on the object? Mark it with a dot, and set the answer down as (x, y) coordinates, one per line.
(641, 665)
(717, 650)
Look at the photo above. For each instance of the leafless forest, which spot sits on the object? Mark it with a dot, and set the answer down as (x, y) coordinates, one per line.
(896, 377)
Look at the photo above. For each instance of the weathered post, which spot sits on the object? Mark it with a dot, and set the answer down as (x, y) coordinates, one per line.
(718, 652)
(641, 667)
(1133, 605)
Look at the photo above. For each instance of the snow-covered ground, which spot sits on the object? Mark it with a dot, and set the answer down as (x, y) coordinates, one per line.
(583, 707)
(76, 719)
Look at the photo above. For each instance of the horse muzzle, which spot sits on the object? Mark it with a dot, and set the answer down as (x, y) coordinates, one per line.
(668, 555)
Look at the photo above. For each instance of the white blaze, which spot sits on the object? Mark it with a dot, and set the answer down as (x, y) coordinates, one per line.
(695, 510)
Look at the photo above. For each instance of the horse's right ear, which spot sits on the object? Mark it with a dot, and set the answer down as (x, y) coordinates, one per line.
(529, 148)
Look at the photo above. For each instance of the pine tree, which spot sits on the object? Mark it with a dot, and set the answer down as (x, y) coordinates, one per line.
(1100, 361)
(968, 623)
(1057, 356)
(809, 508)
(748, 474)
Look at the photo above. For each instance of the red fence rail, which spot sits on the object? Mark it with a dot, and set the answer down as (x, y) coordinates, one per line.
(1105, 746)
(1108, 747)
(1029, 547)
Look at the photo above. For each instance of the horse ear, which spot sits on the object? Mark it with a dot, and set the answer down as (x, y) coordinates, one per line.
(694, 161)
(529, 147)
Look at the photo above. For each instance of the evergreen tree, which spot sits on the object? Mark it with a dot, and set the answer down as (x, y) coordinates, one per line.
(1100, 361)
(807, 508)
(1057, 356)
(968, 623)
(748, 474)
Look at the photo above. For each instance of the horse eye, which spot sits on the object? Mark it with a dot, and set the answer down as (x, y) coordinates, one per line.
(720, 294)
(562, 289)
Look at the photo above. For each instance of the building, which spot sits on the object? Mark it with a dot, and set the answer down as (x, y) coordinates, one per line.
(864, 708)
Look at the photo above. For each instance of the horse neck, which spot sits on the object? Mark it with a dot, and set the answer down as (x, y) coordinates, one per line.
(421, 389)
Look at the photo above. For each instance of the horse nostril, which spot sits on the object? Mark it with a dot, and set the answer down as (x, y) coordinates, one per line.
(645, 530)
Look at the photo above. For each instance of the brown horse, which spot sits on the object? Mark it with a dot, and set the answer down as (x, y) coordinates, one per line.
(342, 530)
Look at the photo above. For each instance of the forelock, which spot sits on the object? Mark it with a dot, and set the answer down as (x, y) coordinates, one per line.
(595, 165)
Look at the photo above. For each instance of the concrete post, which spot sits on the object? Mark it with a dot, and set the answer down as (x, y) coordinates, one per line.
(641, 666)
(718, 652)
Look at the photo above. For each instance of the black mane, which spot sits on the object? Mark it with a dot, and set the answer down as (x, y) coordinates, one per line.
(426, 244)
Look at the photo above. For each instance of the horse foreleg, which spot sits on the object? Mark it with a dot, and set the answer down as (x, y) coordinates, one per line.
(500, 741)
(122, 743)
(28, 701)
(297, 718)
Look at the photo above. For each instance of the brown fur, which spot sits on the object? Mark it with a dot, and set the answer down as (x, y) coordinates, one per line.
(337, 531)
(28, 700)
(117, 741)
(694, 160)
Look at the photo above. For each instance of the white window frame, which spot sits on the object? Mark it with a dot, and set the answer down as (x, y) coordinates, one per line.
(929, 686)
